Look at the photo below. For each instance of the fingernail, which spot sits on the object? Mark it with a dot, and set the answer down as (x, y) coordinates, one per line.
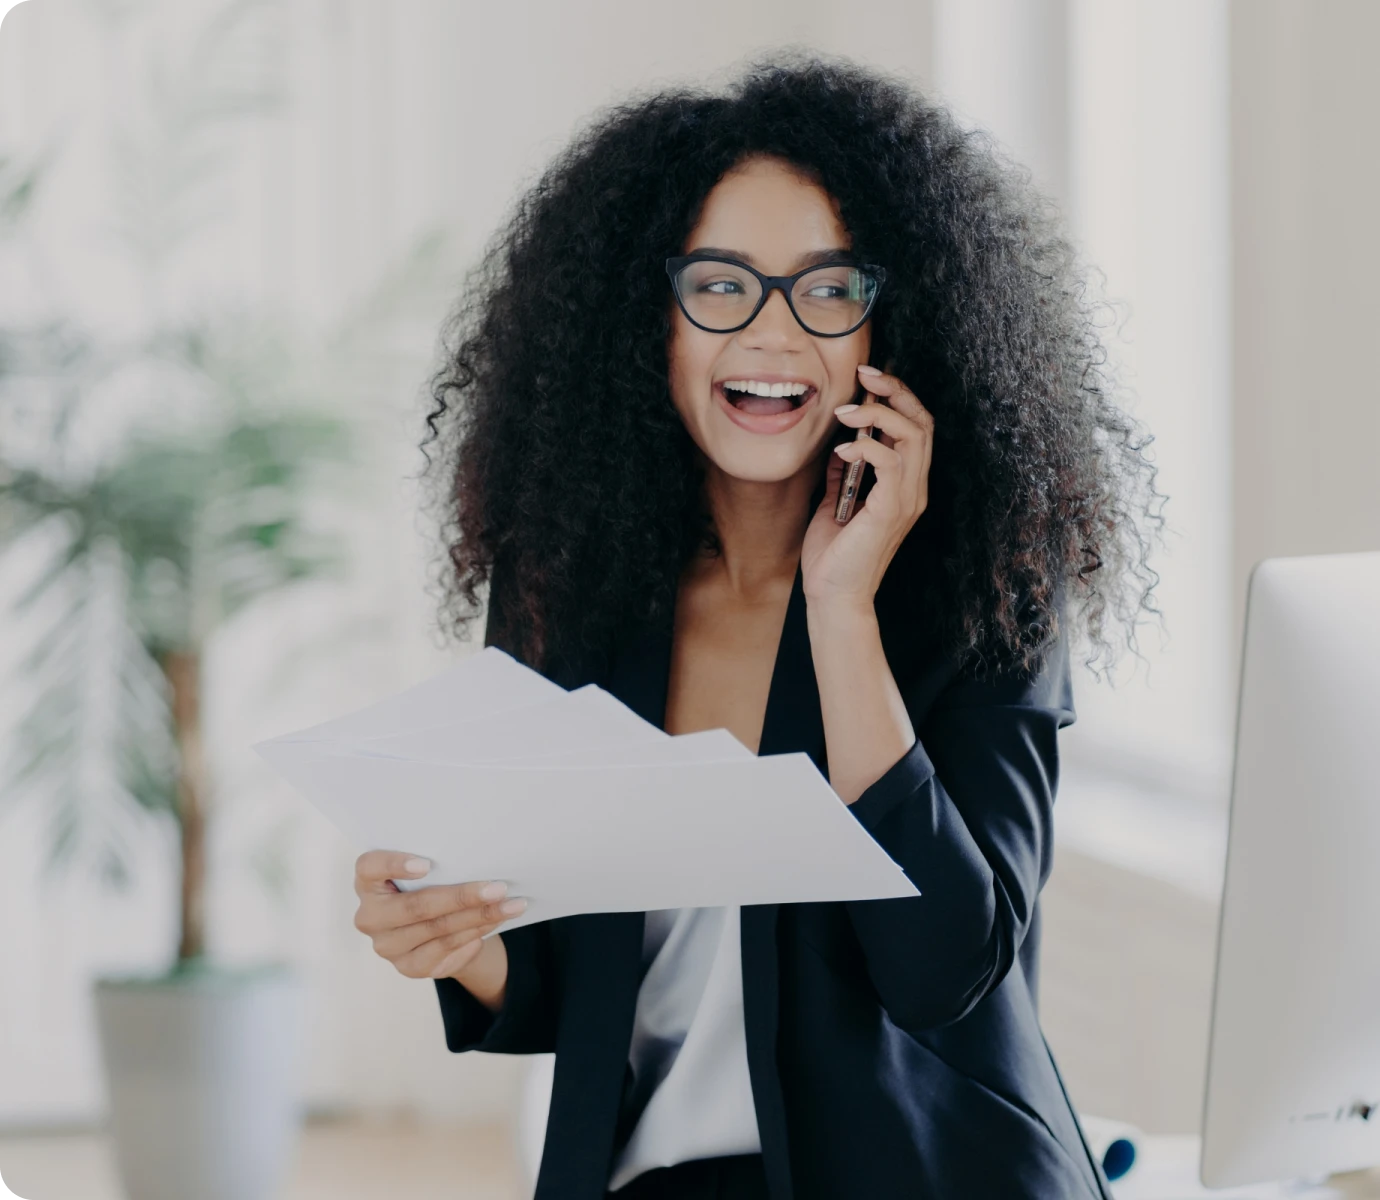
(511, 908)
(843, 408)
(866, 370)
(842, 447)
(493, 891)
(417, 866)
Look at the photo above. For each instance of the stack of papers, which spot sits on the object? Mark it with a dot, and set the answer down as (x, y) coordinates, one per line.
(492, 771)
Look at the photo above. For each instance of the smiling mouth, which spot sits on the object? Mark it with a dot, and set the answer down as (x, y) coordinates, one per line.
(764, 406)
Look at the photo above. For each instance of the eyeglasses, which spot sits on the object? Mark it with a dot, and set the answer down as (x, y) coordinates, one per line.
(723, 295)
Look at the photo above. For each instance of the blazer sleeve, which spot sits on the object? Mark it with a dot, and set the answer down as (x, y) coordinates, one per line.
(526, 1024)
(967, 813)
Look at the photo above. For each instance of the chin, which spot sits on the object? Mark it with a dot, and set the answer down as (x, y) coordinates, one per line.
(761, 463)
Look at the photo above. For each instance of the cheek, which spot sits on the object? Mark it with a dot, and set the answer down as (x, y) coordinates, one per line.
(843, 359)
(681, 384)
(690, 366)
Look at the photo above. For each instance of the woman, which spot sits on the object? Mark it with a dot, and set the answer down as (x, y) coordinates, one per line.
(646, 411)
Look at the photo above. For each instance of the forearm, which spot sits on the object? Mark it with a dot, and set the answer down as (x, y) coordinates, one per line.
(866, 726)
(486, 977)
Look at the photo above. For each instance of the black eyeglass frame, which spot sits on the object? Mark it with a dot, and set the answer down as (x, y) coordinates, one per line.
(786, 283)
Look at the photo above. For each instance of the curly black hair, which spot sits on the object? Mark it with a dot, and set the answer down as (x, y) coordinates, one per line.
(555, 370)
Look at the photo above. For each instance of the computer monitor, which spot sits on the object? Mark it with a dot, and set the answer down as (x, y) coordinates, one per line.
(1293, 1082)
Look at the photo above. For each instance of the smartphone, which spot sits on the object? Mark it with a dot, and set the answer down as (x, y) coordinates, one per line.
(856, 480)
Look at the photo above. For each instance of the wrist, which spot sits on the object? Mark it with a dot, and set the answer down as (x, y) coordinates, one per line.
(841, 610)
(844, 634)
(485, 977)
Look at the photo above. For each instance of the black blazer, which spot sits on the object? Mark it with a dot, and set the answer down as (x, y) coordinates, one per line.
(893, 1045)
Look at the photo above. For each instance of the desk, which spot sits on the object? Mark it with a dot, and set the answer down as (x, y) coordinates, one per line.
(1167, 1169)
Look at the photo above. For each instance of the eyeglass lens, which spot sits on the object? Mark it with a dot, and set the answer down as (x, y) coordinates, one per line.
(827, 300)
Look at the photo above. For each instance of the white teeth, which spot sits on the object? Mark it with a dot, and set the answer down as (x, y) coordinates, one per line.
(757, 388)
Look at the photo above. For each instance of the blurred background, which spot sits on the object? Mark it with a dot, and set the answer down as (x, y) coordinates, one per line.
(230, 228)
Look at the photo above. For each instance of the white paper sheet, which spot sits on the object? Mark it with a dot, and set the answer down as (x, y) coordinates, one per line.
(578, 803)
(486, 683)
(583, 719)
(713, 745)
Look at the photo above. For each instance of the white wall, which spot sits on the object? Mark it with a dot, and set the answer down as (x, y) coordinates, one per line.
(1150, 161)
(1306, 173)
(1120, 109)
(1003, 65)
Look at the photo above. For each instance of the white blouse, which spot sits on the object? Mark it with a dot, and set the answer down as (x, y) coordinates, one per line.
(691, 1093)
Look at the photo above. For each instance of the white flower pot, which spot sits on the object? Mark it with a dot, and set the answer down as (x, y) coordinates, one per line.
(203, 1076)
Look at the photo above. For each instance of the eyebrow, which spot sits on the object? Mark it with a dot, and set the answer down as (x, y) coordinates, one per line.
(805, 260)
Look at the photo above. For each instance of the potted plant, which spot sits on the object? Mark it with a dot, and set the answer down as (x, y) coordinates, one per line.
(173, 530)
(170, 480)
(178, 529)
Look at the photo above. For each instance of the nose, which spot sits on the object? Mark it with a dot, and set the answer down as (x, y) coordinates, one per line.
(775, 325)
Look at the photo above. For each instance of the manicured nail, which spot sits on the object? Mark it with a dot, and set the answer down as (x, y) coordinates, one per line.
(416, 866)
(843, 448)
(866, 370)
(493, 891)
(843, 408)
(511, 908)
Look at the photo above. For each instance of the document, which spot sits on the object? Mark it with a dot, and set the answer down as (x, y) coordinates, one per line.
(493, 772)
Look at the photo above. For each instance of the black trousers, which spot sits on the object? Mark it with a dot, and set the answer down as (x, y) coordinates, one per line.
(737, 1177)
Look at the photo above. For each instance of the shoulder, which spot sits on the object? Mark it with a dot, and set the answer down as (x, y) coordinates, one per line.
(1045, 684)
(934, 676)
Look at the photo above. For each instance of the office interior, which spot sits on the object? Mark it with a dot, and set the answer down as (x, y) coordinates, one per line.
(1215, 162)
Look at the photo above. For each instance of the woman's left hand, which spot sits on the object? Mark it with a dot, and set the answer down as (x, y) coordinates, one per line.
(845, 563)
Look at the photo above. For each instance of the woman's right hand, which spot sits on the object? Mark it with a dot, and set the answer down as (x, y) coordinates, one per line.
(434, 932)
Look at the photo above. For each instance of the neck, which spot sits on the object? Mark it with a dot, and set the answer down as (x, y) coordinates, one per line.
(761, 527)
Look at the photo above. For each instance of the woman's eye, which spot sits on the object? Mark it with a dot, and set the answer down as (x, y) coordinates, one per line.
(719, 287)
(828, 291)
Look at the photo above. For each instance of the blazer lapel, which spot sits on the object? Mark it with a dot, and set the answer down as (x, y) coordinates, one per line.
(604, 973)
(793, 722)
(608, 946)
(793, 719)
